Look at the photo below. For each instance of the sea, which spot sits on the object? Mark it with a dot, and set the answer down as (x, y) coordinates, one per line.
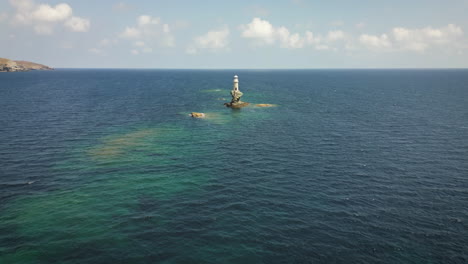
(345, 166)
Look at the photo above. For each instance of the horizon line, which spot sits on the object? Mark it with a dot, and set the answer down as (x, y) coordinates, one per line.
(221, 69)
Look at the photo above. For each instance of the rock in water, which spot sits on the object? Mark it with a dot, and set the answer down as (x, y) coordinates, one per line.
(197, 115)
(236, 96)
(237, 105)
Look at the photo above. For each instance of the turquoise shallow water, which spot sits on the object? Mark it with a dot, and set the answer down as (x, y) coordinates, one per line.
(350, 166)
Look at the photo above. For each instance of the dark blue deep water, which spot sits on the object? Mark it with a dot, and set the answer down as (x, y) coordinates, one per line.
(349, 166)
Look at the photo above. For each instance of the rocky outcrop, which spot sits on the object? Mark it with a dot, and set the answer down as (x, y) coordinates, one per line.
(239, 104)
(197, 115)
(235, 101)
(7, 65)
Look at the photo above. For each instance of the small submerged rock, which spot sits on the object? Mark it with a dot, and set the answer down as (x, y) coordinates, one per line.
(197, 115)
(265, 105)
(237, 104)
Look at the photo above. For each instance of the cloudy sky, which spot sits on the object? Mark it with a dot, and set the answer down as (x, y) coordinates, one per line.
(236, 34)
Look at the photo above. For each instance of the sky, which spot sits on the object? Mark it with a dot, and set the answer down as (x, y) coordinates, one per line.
(208, 34)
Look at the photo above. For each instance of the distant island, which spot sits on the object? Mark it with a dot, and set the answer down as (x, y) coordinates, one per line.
(7, 65)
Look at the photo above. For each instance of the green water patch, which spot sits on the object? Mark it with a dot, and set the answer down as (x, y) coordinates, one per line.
(101, 217)
(98, 215)
(121, 184)
(56, 224)
(140, 154)
(215, 91)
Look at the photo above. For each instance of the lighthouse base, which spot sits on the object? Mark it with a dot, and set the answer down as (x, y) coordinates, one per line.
(237, 104)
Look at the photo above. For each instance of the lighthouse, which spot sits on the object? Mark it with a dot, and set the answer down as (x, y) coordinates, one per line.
(235, 83)
(236, 95)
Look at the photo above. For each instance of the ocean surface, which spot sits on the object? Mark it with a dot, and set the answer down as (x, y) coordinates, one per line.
(349, 166)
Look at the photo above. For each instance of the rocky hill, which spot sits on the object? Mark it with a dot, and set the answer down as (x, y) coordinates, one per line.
(7, 65)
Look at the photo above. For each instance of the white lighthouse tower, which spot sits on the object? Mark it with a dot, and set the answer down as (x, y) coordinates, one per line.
(236, 95)
(235, 86)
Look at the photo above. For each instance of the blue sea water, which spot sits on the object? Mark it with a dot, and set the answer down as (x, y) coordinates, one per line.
(349, 166)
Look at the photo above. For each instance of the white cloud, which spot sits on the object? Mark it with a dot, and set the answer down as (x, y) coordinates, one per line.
(151, 31)
(417, 40)
(409, 39)
(322, 43)
(44, 18)
(401, 34)
(289, 40)
(335, 35)
(422, 39)
(77, 24)
(130, 32)
(448, 38)
(166, 28)
(144, 20)
(52, 14)
(311, 38)
(375, 42)
(260, 30)
(22, 4)
(44, 29)
(23, 11)
(141, 47)
(214, 40)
